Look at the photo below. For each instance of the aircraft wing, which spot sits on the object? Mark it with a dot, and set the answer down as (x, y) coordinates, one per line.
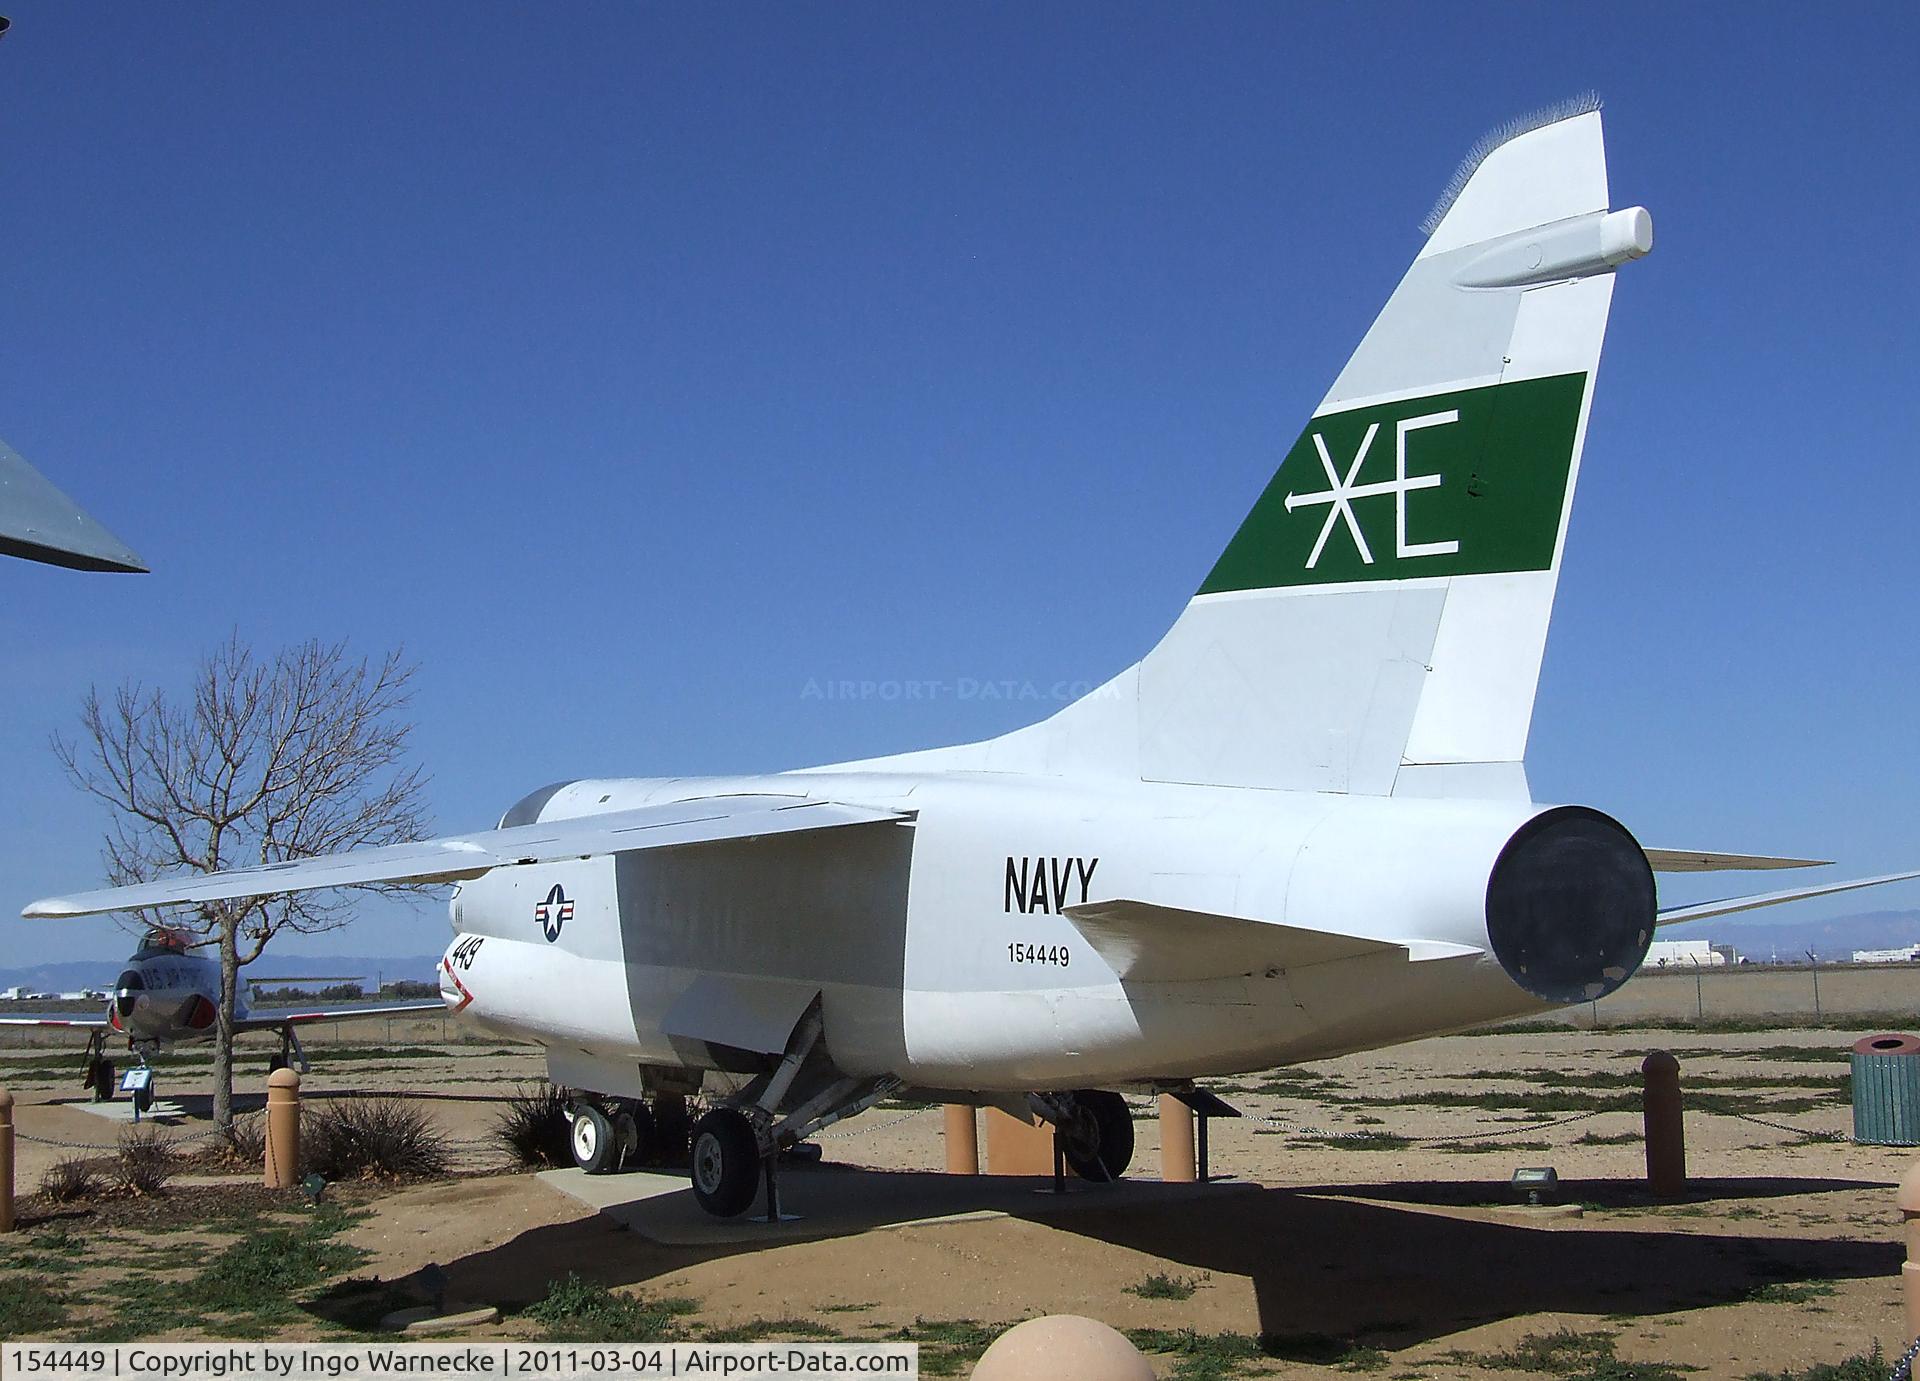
(39, 523)
(1703, 861)
(51, 1019)
(258, 1020)
(1700, 911)
(1148, 943)
(459, 857)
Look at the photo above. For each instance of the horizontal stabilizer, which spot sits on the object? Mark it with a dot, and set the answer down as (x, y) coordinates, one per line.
(459, 857)
(1700, 911)
(1146, 943)
(1703, 861)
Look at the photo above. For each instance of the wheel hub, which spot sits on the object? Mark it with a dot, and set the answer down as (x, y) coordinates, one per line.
(585, 1139)
(707, 1164)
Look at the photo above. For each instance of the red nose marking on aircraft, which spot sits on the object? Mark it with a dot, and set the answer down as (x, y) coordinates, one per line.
(465, 996)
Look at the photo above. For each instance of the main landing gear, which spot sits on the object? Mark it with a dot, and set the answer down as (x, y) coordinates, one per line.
(292, 1054)
(727, 1162)
(1094, 1128)
(98, 1078)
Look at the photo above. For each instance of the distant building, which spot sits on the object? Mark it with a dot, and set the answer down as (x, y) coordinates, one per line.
(13, 994)
(1686, 954)
(1887, 956)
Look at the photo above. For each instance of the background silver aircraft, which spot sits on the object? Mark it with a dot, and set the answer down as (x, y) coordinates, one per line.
(167, 995)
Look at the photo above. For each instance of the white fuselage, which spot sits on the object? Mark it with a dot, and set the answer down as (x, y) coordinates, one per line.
(939, 949)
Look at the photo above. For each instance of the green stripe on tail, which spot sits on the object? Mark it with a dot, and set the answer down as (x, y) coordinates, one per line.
(1459, 483)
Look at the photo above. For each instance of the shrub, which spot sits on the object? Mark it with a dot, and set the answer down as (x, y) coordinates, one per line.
(533, 1126)
(1160, 1285)
(244, 1140)
(373, 1138)
(147, 1160)
(70, 1179)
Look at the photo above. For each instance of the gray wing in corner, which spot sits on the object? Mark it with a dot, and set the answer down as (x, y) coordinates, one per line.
(39, 523)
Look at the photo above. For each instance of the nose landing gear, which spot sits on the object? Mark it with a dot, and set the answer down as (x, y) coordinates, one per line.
(608, 1135)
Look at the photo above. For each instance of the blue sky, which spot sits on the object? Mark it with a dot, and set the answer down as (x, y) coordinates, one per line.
(640, 368)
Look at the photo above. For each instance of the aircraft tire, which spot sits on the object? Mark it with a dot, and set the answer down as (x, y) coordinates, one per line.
(103, 1072)
(143, 1098)
(276, 1063)
(592, 1140)
(633, 1134)
(726, 1163)
(1105, 1154)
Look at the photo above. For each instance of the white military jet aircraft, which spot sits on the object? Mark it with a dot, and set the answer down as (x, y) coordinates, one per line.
(1300, 826)
(167, 995)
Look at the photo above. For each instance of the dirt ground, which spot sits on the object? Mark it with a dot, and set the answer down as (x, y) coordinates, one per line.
(1345, 1235)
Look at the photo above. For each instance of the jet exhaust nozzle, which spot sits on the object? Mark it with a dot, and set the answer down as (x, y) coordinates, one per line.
(1570, 905)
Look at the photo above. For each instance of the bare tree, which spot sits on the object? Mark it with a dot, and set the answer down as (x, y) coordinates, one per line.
(269, 759)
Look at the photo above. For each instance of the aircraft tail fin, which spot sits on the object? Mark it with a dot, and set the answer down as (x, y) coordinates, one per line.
(1377, 622)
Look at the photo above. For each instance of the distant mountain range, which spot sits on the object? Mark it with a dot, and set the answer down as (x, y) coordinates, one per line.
(1834, 938)
(69, 977)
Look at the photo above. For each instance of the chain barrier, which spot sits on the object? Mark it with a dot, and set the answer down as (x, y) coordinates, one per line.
(1282, 1127)
(1782, 1126)
(852, 1125)
(109, 1145)
(1903, 1369)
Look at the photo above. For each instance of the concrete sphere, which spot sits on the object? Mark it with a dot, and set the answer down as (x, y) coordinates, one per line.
(1062, 1347)
(1909, 1198)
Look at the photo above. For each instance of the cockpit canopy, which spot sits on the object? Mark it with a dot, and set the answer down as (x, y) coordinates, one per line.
(526, 810)
(161, 940)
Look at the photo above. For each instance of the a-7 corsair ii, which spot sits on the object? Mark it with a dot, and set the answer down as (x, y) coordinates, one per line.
(1300, 826)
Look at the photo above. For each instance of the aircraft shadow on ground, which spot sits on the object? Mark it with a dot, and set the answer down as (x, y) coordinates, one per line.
(1377, 1273)
(1324, 1265)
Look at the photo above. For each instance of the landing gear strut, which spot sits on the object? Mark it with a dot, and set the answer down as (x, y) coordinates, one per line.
(292, 1054)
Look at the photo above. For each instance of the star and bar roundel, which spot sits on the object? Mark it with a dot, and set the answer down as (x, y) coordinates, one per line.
(554, 912)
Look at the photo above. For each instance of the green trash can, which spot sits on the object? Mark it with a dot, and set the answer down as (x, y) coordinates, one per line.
(1886, 1090)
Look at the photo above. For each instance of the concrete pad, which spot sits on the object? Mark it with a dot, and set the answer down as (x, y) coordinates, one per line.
(421, 1321)
(837, 1200)
(1539, 1215)
(167, 1110)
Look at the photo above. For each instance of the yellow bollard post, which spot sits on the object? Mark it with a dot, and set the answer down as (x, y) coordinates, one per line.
(6, 1161)
(1176, 1141)
(283, 1129)
(1661, 1116)
(963, 1140)
(1910, 1268)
